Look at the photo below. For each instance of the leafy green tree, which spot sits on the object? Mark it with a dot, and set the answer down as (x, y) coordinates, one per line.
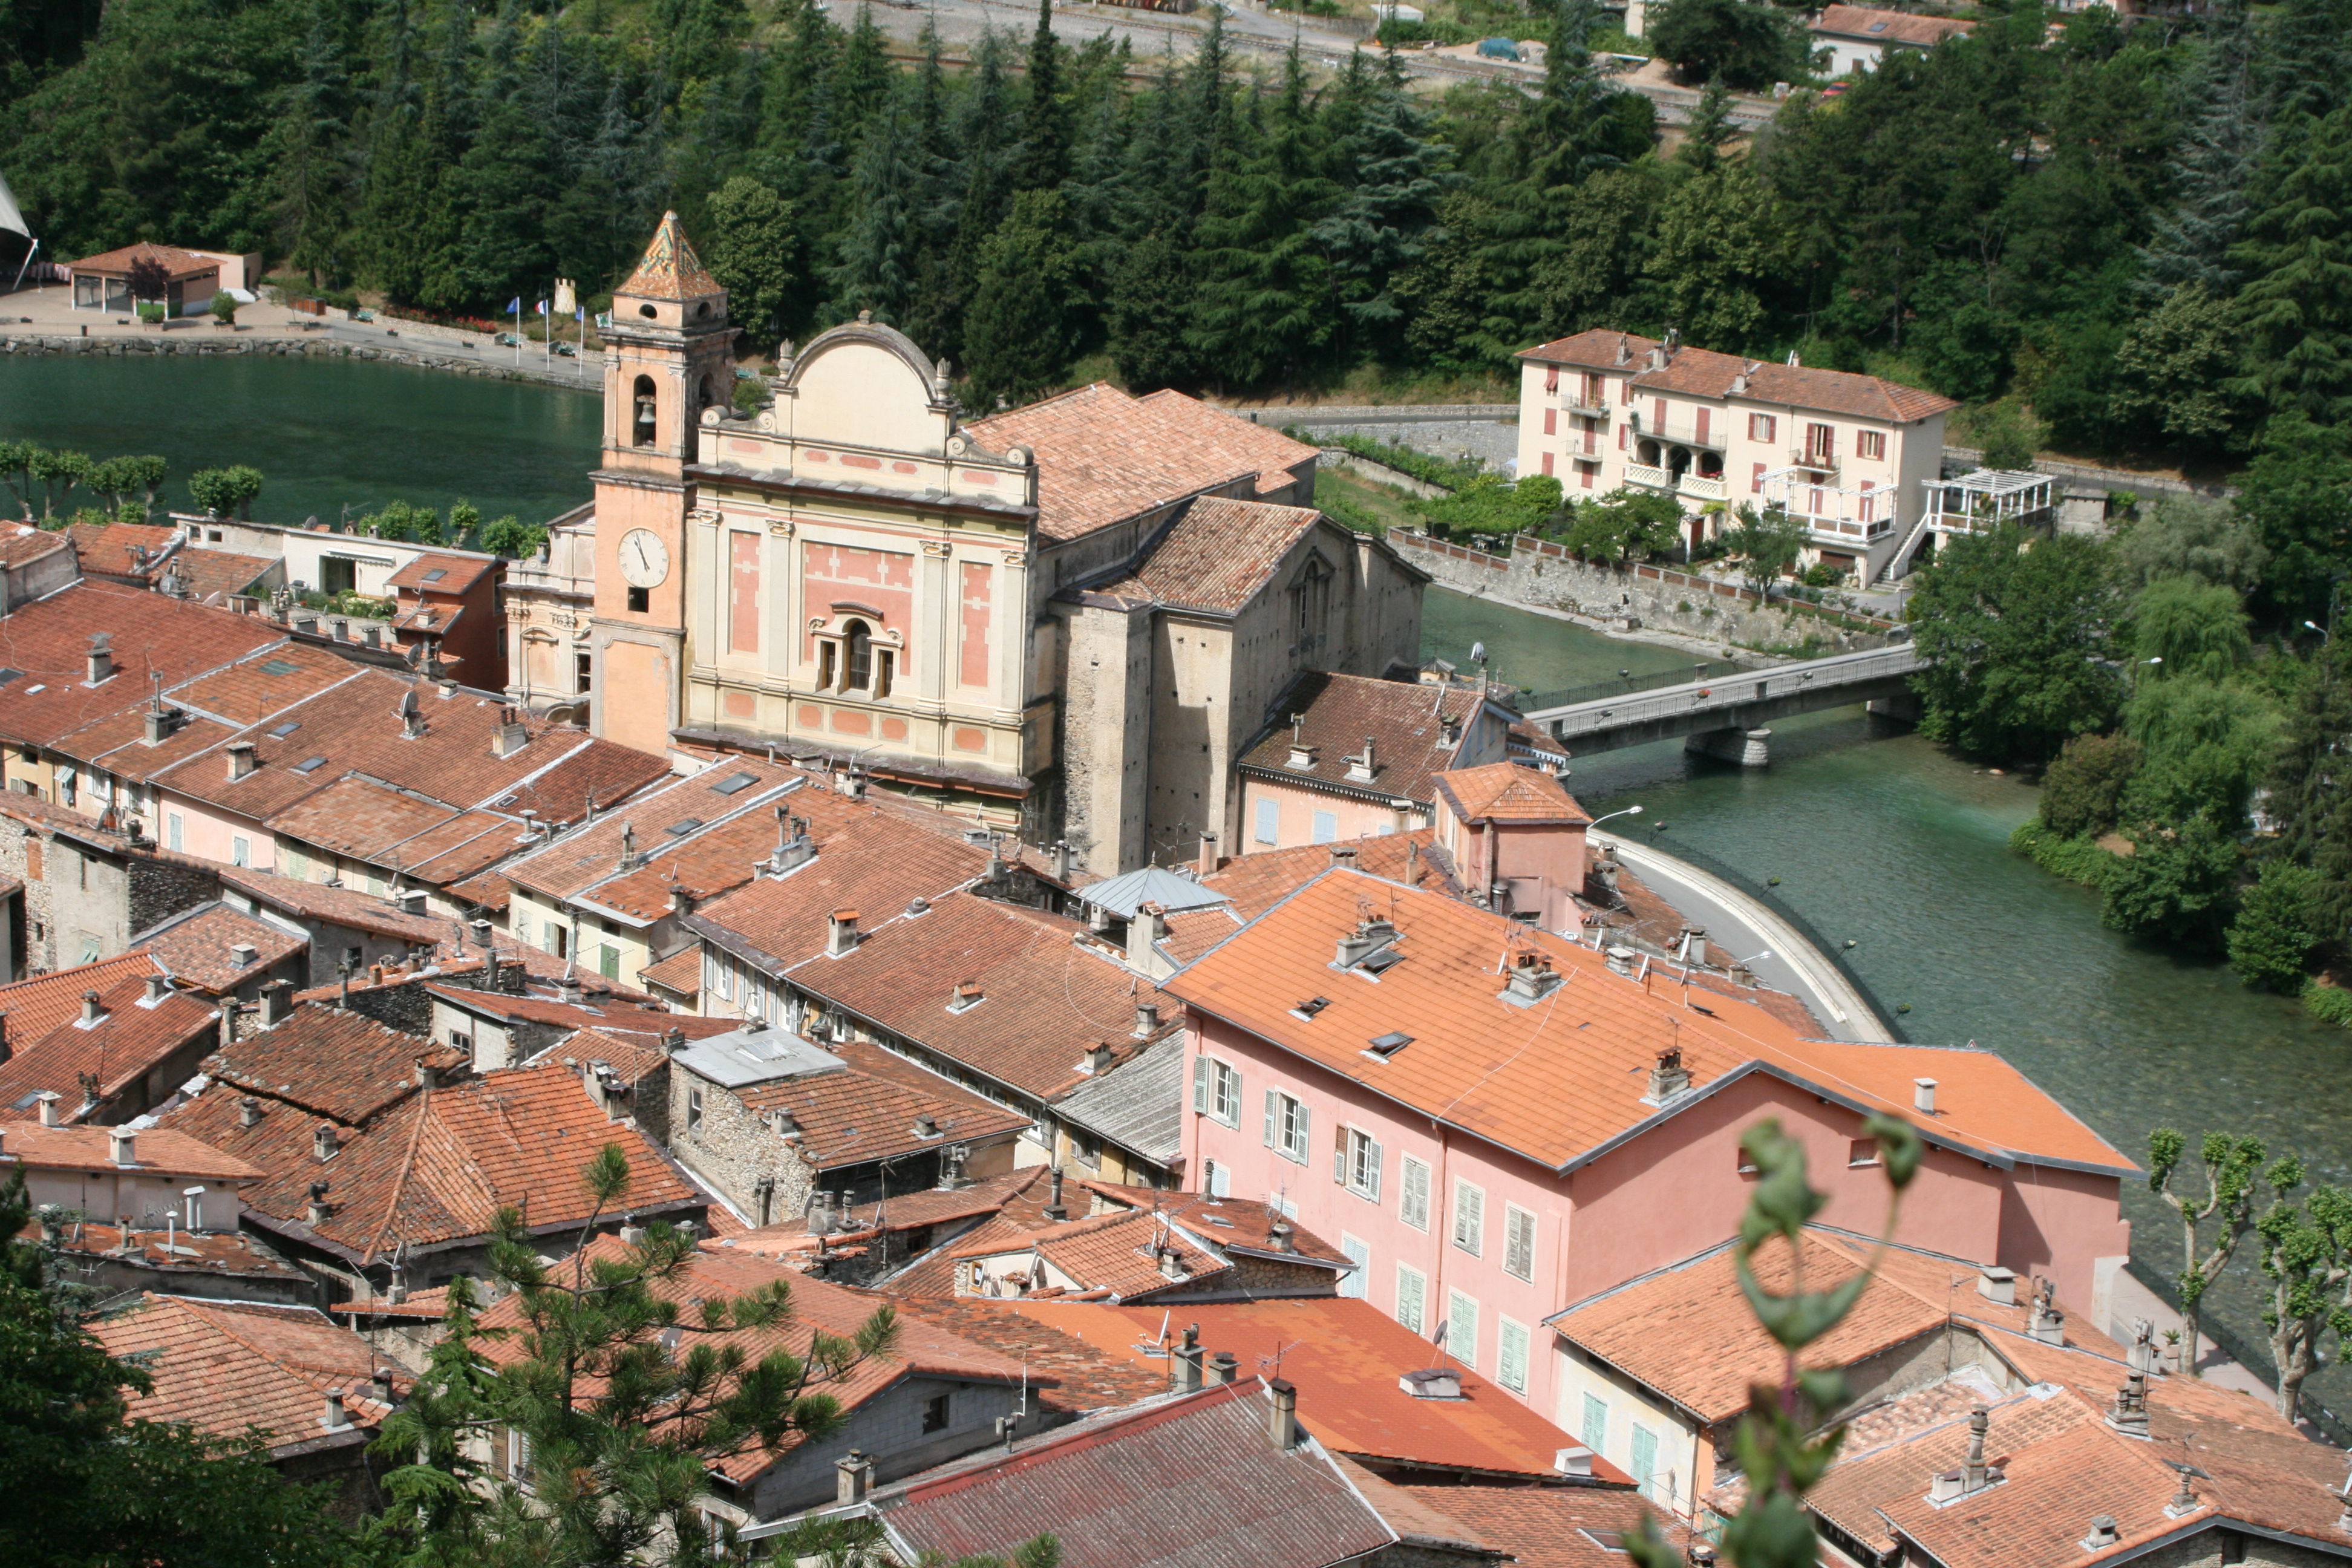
(438, 1492)
(1626, 525)
(2205, 748)
(2194, 627)
(2174, 887)
(1709, 129)
(2305, 1251)
(226, 492)
(2009, 441)
(2231, 1163)
(1715, 247)
(1020, 334)
(17, 473)
(57, 473)
(511, 537)
(2012, 638)
(465, 523)
(2272, 940)
(2296, 303)
(1744, 45)
(2311, 797)
(1768, 545)
(2083, 792)
(1494, 504)
(2171, 373)
(120, 478)
(752, 248)
(406, 521)
(2297, 493)
(2185, 536)
(1382, 227)
(113, 1489)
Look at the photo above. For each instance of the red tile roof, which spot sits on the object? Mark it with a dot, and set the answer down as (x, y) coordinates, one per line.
(149, 634)
(38, 1005)
(122, 549)
(1084, 1378)
(196, 950)
(160, 1149)
(1545, 1526)
(1704, 373)
(1336, 712)
(171, 1253)
(456, 574)
(868, 1112)
(1345, 1355)
(21, 545)
(592, 854)
(1219, 554)
(224, 1366)
(337, 906)
(131, 1039)
(210, 576)
(342, 1066)
(1103, 456)
(178, 263)
(1192, 1480)
(1873, 25)
(1218, 1222)
(1506, 791)
(1572, 1081)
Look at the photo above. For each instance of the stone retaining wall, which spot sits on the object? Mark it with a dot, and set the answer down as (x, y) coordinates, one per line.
(225, 346)
(1544, 576)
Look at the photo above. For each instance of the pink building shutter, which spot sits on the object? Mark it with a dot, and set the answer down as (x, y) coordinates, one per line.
(1658, 411)
(1703, 415)
(1547, 462)
(1621, 438)
(1756, 481)
(1585, 472)
(1551, 378)
(1869, 501)
(1551, 421)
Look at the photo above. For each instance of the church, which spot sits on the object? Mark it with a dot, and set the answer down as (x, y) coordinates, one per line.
(1068, 620)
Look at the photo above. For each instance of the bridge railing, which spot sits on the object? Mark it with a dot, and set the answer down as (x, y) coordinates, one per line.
(1701, 696)
(1627, 685)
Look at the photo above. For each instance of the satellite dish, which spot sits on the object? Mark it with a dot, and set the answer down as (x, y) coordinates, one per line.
(1477, 653)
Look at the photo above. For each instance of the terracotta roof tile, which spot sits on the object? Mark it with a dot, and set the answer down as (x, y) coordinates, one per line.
(1403, 719)
(131, 1039)
(1103, 456)
(1217, 1221)
(1506, 791)
(336, 906)
(1113, 1253)
(21, 545)
(1888, 27)
(151, 634)
(1219, 554)
(1545, 1526)
(1701, 372)
(175, 1154)
(669, 269)
(359, 817)
(900, 1212)
(224, 1366)
(343, 1066)
(211, 576)
(122, 549)
(35, 1007)
(1572, 1083)
(869, 1113)
(171, 1252)
(1345, 1355)
(680, 973)
(1086, 1378)
(196, 948)
(590, 855)
(1255, 883)
(177, 262)
(456, 574)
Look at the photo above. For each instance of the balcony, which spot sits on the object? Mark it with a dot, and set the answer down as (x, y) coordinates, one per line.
(1681, 433)
(1574, 403)
(1817, 460)
(1701, 486)
(1648, 478)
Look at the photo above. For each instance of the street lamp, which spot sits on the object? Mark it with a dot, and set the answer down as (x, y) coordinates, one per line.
(1744, 962)
(1629, 811)
(2314, 626)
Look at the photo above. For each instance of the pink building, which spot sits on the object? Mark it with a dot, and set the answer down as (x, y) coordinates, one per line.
(1515, 838)
(1494, 1124)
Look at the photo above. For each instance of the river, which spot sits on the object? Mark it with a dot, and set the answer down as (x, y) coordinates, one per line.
(327, 434)
(1880, 837)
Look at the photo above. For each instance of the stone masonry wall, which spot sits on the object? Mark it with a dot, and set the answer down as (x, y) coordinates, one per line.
(732, 1149)
(1545, 575)
(313, 348)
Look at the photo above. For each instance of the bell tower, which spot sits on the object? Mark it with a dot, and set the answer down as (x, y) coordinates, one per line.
(668, 354)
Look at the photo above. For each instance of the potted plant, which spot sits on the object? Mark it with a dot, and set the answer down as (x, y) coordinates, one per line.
(151, 286)
(224, 309)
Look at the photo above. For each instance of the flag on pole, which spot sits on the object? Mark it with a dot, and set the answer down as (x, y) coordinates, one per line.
(514, 306)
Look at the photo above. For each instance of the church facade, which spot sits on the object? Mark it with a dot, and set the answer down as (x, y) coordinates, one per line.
(1068, 620)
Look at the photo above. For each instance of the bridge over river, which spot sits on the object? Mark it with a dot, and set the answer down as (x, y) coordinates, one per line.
(1729, 716)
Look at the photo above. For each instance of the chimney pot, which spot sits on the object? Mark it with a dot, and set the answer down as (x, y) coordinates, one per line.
(243, 953)
(1054, 1209)
(323, 1144)
(842, 934)
(249, 1110)
(336, 1419)
(1224, 1367)
(1573, 1460)
(123, 1145)
(1998, 1284)
(1184, 1363)
(275, 1002)
(426, 1076)
(49, 1117)
(854, 1478)
(101, 658)
(1284, 1417)
(1669, 1078)
(159, 986)
(1923, 1096)
(1208, 862)
(1146, 1019)
(89, 1008)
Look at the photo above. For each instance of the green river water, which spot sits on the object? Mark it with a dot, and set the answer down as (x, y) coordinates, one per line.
(1875, 834)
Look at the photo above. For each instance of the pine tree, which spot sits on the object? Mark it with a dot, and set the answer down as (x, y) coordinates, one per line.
(880, 248)
(1045, 130)
(1382, 143)
(2215, 158)
(1021, 329)
(314, 128)
(1709, 127)
(2296, 305)
(1715, 245)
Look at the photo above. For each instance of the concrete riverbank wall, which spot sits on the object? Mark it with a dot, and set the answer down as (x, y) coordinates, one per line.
(1539, 574)
(195, 344)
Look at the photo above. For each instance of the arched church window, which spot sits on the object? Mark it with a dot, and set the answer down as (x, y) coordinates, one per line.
(642, 432)
(859, 675)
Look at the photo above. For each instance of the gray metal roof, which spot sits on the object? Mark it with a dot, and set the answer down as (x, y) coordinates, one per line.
(744, 1056)
(1138, 1106)
(1122, 896)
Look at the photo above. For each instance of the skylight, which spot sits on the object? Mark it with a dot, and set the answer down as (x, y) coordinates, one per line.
(437, 573)
(1388, 1045)
(1877, 27)
(285, 729)
(1313, 1005)
(734, 782)
(683, 825)
(7, 675)
(313, 765)
(279, 667)
(1380, 962)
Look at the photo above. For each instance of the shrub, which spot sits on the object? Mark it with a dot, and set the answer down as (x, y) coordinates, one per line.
(2175, 886)
(224, 307)
(2272, 938)
(2328, 1003)
(1443, 472)
(1822, 575)
(151, 311)
(2075, 859)
(2084, 787)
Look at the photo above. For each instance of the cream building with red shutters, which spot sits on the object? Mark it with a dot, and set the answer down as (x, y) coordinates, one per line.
(1854, 457)
(1067, 619)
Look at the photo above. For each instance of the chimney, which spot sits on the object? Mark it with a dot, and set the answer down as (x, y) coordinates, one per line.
(1302, 755)
(426, 1076)
(336, 1419)
(160, 986)
(240, 759)
(567, 988)
(276, 1003)
(1621, 960)
(792, 846)
(1223, 1368)
(1923, 1096)
(1171, 1264)
(1284, 1423)
(854, 1478)
(1998, 1284)
(122, 1145)
(1098, 1059)
(373, 638)
(2045, 1323)
(629, 861)
(49, 1108)
(1573, 1460)
(343, 632)
(632, 1233)
(1343, 856)
(243, 953)
(926, 1127)
(1532, 978)
(1449, 731)
(784, 1123)
(317, 1211)
(510, 735)
(1208, 861)
(1054, 1209)
(1360, 768)
(2103, 1534)
(90, 1012)
(249, 1110)
(101, 658)
(1369, 938)
(323, 1144)
(1061, 860)
(2130, 1414)
(1143, 933)
(158, 720)
(673, 1040)
(1694, 945)
(6, 1050)
(1147, 1020)
(842, 933)
(1184, 1362)
(1669, 1078)
(1972, 1472)
(412, 901)
(1433, 1382)
(383, 1376)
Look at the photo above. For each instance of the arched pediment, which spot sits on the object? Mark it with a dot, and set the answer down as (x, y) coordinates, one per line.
(866, 384)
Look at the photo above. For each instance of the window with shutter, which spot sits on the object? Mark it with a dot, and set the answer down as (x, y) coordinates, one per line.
(1551, 378)
(1462, 1328)
(1511, 1355)
(1341, 1138)
(1645, 1466)
(1547, 461)
(1357, 1282)
(1756, 479)
(1413, 1202)
(1201, 1085)
(1621, 438)
(1412, 1297)
(1596, 1422)
(1518, 1242)
(1551, 421)
(1269, 822)
(1271, 1106)
(1870, 444)
(1700, 421)
(1469, 1216)
(1658, 415)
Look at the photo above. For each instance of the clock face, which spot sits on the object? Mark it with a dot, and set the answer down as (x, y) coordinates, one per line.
(645, 559)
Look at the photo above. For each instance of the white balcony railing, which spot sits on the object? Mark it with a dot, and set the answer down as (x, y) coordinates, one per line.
(1648, 478)
(1703, 487)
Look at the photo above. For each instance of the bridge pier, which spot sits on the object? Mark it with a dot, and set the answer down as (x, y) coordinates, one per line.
(1749, 748)
(1903, 706)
